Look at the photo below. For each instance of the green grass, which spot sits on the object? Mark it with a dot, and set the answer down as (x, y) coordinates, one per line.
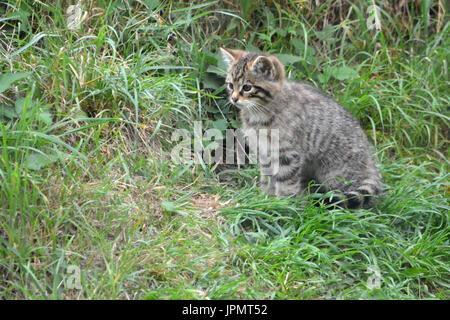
(86, 177)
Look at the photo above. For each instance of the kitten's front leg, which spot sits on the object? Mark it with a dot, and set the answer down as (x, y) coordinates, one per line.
(288, 188)
(287, 177)
(266, 168)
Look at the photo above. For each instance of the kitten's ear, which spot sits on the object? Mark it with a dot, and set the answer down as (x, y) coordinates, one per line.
(268, 66)
(230, 56)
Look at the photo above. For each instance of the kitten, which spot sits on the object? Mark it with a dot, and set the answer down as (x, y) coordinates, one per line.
(319, 140)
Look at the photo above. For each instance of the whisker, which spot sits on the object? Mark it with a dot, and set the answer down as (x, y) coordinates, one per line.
(258, 108)
(261, 108)
(228, 103)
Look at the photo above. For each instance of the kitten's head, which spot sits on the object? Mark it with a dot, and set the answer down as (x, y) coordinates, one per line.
(253, 78)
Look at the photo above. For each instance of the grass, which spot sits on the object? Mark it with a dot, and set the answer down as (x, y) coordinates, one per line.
(86, 177)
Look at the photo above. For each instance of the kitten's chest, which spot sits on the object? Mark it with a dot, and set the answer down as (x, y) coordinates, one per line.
(257, 120)
(265, 137)
(267, 128)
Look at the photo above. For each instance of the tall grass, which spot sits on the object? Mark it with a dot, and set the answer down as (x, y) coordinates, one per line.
(86, 179)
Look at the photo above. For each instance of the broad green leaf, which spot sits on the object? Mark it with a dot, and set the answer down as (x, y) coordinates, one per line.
(212, 108)
(152, 4)
(282, 32)
(251, 47)
(211, 81)
(46, 117)
(323, 78)
(264, 37)
(77, 113)
(7, 79)
(170, 207)
(20, 105)
(36, 161)
(220, 124)
(235, 124)
(343, 73)
(232, 25)
(7, 111)
(288, 58)
(326, 33)
(299, 45)
(22, 14)
(218, 70)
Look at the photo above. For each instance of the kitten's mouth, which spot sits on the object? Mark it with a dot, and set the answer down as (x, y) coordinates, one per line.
(240, 104)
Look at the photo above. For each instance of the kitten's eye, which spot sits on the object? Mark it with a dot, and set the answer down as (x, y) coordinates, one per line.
(247, 87)
(230, 86)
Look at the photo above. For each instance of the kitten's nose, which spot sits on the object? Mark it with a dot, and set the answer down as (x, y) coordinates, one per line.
(234, 99)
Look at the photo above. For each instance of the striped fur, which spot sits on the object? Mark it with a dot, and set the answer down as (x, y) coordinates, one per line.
(319, 141)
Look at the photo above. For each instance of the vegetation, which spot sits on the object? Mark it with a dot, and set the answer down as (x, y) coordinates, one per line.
(86, 179)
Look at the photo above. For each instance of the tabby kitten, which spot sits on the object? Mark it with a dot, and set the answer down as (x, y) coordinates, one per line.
(319, 140)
